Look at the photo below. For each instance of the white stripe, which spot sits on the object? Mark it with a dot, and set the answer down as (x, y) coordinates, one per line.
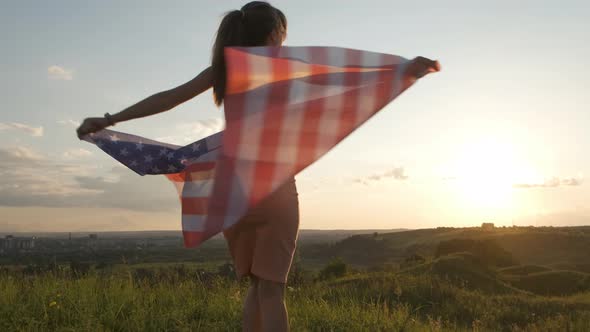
(398, 79)
(179, 186)
(367, 97)
(330, 118)
(193, 222)
(200, 188)
(207, 157)
(214, 141)
(300, 53)
(316, 91)
(291, 128)
(254, 106)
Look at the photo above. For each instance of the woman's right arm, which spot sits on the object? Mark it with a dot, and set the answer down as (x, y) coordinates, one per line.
(157, 103)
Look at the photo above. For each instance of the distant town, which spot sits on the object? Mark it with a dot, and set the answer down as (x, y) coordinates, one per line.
(18, 244)
(52, 242)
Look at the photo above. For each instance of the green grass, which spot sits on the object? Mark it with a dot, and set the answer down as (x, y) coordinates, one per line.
(553, 282)
(523, 269)
(463, 270)
(358, 302)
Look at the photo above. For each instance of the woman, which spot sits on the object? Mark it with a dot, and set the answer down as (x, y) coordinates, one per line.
(262, 244)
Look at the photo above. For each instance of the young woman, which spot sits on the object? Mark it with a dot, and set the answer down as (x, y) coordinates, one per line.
(262, 244)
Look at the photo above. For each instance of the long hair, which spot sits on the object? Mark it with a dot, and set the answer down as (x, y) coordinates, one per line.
(250, 26)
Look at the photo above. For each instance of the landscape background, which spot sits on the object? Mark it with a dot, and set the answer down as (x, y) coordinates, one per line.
(399, 243)
(444, 279)
(500, 134)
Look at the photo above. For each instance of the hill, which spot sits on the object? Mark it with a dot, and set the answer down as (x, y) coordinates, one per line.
(527, 245)
(464, 270)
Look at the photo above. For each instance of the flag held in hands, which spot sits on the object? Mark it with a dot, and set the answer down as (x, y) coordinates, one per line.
(285, 107)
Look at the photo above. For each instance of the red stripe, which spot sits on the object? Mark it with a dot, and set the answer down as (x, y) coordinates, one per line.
(276, 107)
(313, 109)
(384, 89)
(239, 79)
(195, 205)
(175, 177)
(194, 167)
(381, 83)
(225, 172)
(201, 166)
(192, 239)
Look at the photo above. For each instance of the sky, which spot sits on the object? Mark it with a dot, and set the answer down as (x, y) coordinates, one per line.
(499, 135)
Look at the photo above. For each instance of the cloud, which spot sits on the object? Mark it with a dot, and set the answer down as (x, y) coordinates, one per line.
(69, 122)
(552, 182)
(397, 173)
(15, 155)
(59, 73)
(33, 131)
(76, 153)
(130, 191)
(190, 132)
(28, 178)
(571, 181)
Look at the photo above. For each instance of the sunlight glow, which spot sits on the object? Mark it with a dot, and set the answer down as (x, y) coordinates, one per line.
(486, 171)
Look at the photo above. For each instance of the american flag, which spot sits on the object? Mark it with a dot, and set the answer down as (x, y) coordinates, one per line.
(285, 107)
(190, 168)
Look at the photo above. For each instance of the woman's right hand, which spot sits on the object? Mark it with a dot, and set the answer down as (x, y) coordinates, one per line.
(91, 125)
(421, 66)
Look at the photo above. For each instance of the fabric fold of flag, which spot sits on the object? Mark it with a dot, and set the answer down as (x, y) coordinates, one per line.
(190, 168)
(285, 107)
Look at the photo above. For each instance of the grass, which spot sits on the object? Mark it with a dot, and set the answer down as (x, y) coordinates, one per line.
(358, 302)
(523, 269)
(553, 282)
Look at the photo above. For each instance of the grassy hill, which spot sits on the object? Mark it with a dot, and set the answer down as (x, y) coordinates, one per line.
(445, 279)
(464, 270)
(552, 282)
(528, 245)
(544, 261)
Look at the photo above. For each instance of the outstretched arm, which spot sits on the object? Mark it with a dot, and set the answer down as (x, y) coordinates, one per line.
(157, 103)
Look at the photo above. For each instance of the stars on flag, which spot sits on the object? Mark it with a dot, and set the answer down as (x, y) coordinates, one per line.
(148, 157)
(196, 146)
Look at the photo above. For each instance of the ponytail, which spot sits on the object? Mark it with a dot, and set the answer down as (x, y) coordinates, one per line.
(250, 26)
(229, 33)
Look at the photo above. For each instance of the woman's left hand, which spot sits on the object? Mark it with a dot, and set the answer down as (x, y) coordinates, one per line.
(91, 125)
(421, 66)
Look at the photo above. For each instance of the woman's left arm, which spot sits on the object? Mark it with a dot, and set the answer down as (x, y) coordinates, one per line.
(157, 103)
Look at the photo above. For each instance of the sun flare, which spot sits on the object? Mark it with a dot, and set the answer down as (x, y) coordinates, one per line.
(485, 173)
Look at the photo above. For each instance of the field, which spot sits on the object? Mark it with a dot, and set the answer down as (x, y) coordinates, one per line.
(466, 282)
(356, 302)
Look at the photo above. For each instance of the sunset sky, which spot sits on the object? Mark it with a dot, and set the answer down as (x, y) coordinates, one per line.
(500, 135)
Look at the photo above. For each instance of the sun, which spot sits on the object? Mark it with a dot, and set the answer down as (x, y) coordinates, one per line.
(485, 172)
